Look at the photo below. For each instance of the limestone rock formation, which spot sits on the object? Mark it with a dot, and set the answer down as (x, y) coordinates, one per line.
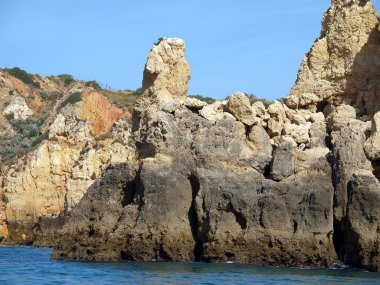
(294, 184)
(372, 145)
(18, 109)
(277, 119)
(199, 192)
(361, 225)
(285, 185)
(343, 64)
(239, 106)
(55, 175)
(167, 72)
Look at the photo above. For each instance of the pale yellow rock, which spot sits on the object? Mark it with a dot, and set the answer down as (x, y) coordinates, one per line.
(294, 116)
(35, 186)
(167, 72)
(194, 103)
(308, 99)
(238, 105)
(259, 109)
(261, 140)
(213, 112)
(300, 133)
(317, 117)
(343, 64)
(277, 119)
(340, 117)
(372, 145)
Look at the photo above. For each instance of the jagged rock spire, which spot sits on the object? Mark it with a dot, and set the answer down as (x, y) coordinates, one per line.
(343, 65)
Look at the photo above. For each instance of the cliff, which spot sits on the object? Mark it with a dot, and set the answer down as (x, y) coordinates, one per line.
(52, 129)
(291, 184)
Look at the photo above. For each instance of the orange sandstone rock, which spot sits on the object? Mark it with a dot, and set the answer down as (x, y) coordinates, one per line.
(99, 111)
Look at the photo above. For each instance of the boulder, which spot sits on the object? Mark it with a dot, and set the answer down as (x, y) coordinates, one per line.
(283, 161)
(340, 117)
(261, 140)
(238, 105)
(213, 112)
(277, 119)
(300, 133)
(259, 109)
(193, 103)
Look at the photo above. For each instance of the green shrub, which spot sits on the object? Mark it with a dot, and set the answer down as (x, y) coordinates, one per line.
(28, 128)
(93, 84)
(67, 79)
(28, 136)
(24, 76)
(158, 41)
(73, 98)
(40, 139)
(208, 100)
(253, 99)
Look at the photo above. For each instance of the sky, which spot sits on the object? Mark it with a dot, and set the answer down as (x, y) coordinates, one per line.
(251, 46)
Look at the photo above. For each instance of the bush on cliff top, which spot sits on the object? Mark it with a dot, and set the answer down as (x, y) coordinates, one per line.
(67, 79)
(24, 76)
(208, 100)
(93, 84)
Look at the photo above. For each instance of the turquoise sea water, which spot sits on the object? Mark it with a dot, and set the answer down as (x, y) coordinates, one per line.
(33, 266)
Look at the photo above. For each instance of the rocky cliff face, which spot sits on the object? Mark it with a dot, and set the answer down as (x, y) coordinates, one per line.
(343, 64)
(291, 184)
(79, 140)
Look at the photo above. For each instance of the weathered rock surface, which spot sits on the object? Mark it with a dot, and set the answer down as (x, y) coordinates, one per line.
(287, 185)
(18, 109)
(360, 243)
(343, 65)
(225, 209)
(277, 119)
(167, 72)
(290, 185)
(55, 175)
(372, 145)
(239, 106)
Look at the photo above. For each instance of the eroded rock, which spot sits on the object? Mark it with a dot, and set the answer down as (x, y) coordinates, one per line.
(238, 104)
(372, 145)
(167, 72)
(18, 109)
(277, 119)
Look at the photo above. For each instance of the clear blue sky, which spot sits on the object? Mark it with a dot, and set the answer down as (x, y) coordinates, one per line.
(252, 46)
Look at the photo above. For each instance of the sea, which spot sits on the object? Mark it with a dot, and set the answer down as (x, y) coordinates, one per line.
(23, 265)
